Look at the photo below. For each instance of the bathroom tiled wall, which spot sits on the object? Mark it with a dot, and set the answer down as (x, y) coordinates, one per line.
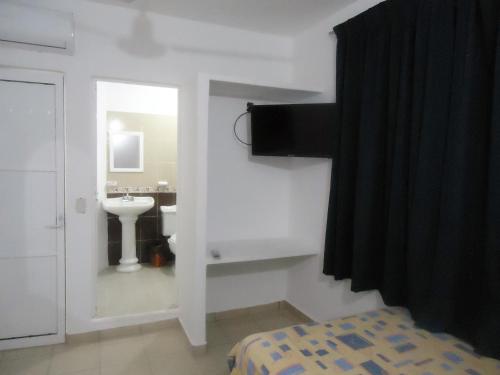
(147, 229)
(160, 148)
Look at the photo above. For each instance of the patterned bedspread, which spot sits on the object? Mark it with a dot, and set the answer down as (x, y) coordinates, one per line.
(374, 343)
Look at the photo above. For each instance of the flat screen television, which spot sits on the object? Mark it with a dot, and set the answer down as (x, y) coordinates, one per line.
(303, 130)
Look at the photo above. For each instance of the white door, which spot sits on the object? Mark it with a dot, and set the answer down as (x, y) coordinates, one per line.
(31, 205)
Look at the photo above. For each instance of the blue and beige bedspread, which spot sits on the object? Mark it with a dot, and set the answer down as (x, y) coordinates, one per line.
(374, 343)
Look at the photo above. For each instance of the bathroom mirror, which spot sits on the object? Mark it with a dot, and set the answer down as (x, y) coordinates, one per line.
(126, 151)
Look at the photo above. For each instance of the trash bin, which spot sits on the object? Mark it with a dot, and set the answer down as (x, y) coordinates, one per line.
(157, 255)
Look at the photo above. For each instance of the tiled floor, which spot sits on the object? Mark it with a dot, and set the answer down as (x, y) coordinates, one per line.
(149, 289)
(156, 349)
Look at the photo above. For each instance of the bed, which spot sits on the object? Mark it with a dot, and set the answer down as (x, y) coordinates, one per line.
(374, 343)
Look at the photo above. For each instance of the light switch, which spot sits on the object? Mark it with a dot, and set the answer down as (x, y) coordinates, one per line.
(81, 205)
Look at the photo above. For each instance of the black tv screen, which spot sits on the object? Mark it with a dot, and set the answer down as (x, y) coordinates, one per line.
(303, 130)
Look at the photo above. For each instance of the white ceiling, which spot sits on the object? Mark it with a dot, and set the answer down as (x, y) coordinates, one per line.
(283, 17)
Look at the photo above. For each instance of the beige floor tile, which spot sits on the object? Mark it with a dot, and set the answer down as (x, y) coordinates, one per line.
(122, 332)
(180, 363)
(295, 318)
(34, 352)
(276, 320)
(267, 308)
(232, 314)
(149, 289)
(122, 351)
(156, 349)
(237, 329)
(96, 371)
(267, 314)
(210, 317)
(69, 358)
(25, 366)
(216, 335)
(273, 323)
(84, 338)
(158, 326)
(213, 361)
(130, 368)
(165, 341)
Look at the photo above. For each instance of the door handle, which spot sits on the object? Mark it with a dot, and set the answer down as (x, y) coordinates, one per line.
(54, 226)
(60, 219)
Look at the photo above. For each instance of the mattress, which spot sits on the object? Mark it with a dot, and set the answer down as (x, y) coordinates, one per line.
(374, 343)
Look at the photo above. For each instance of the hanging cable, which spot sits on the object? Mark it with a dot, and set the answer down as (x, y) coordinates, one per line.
(236, 124)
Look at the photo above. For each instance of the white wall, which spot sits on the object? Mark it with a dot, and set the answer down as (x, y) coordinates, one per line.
(240, 285)
(103, 50)
(315, 49)
(308, 289)
(249, 198)
(150, 100)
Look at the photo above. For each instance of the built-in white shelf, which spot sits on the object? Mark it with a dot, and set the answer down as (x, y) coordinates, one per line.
(246, 89)
(257, 250)
(249, 271)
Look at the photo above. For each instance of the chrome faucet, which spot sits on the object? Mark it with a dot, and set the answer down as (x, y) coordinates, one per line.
(127, 197)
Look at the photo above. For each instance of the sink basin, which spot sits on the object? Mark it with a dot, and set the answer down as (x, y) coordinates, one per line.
(136, 207)
(127, 212)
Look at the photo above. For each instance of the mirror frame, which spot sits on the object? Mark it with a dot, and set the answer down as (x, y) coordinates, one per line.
(112, 168)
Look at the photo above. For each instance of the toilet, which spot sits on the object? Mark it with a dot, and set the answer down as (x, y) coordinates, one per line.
(172, 243)
(169, 225)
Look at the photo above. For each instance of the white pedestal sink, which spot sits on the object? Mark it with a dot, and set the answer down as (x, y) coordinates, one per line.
(127, 211)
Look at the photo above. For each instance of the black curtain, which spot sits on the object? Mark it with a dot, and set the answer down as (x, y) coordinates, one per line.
(415, 198)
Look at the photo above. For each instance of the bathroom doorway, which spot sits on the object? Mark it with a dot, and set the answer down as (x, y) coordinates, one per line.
(137, 195)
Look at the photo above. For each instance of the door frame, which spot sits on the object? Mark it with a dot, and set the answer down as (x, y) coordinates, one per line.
(56, 79)
(110, 322)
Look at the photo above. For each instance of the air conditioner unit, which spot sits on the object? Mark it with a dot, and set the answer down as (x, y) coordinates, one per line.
(31, 27)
